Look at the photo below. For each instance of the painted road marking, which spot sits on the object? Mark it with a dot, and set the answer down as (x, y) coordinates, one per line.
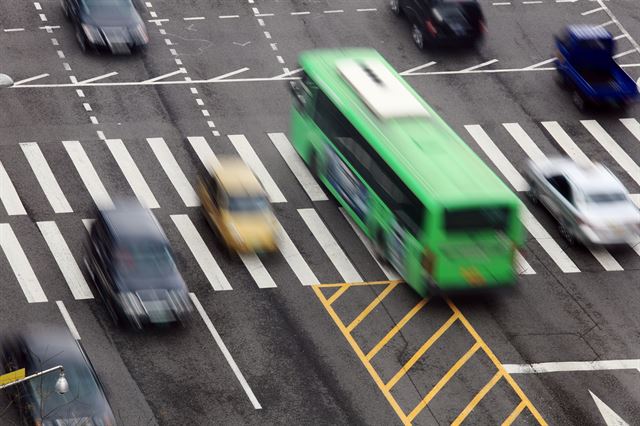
(589, 12)
(100, 77)
(88, 223)
(566, 143)
(203, 151)
(633, 126)
(567, 366)
(610, 417)
(174, 172)
(330, 246)
(257, 270)
(545, 62)
(294, 258)
(229, 74)
(45, 177)
(67, 319)
(200, 252)
(88, 174)
(225, 352)
(27, 80)
(371, 306)
(8, 194)
(162, 77)
(64, 258)
(20, 265)
(523, 266)
(477, 398)
(297, 166)
(418, 68)
(484, 64)
(249, 156)
(132, 173)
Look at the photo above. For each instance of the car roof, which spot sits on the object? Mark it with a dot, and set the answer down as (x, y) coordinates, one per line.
(589, 178)
(588, 32)
(51, 345)
(130, 220)
(236, 177)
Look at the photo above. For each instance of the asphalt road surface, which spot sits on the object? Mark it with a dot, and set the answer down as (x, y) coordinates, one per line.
(268, 346)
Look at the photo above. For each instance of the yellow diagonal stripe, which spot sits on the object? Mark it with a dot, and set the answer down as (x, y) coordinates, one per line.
(12, 377)
(514, 414)
(476, 399)
(338, 293)
(371, 306)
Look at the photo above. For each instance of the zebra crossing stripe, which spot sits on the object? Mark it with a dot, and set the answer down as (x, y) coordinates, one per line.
(174, 172)
(633, 126)
(88, 174)
(20, 265)
(293, 257)
(257, 270)
(522, 266)
(203, 151)
(9, 195)
(63, 257)
(132, 173)
(566, 143)
(45, 177)
(330, 246)
(249, 156)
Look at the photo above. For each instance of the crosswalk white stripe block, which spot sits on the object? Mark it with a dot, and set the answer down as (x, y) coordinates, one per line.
(526, 143)
(497, 157)
(632, 125)
(293, 257)
(88, 223)
(203, 151)
(249, 156)
(9, 195)
(200, 252)
(63, 257)
(88, 174)
(257, 270)
(20, 265)
(613, 149)
(132, 173)
(297, 166)
(174, 172)
(606, 259)
(45, 177)
(522, 266)
(566, 143)
(388, 270)
(330, 246)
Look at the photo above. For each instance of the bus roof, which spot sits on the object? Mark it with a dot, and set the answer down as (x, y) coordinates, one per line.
(432, 160)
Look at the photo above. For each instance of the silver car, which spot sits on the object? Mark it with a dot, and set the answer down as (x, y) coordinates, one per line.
(589, 202)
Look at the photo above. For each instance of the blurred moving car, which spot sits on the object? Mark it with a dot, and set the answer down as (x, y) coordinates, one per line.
(44, 347)
(113, 25)
(237, 208)
(131, 263)
(590, 203)
(438, 21)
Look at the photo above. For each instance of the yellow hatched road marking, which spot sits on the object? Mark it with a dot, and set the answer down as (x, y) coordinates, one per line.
(443, 381)
(396, 328)
(338, 293)
(364, 283)
(422, 350)
(514, 414)
(371, 306)
(476, 399)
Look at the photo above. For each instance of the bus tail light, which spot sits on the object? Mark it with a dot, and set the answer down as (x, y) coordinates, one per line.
(428, 261)
(431, 28)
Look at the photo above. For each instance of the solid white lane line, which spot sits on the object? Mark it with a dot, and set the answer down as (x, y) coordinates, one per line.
(330, 246)
(174, 172)
(8, 194)
(558, 367)
(88, 174)
(131, 173)
(249, 156)
(257, 270)
(418, 68)
(632, 126)
(524, 140)
(64, 258)
(225, 352)
(45, 177)
(294, 258)
(607, 142)
(388, 270)
(100, 77)
(566, 143)
(497, 157)
(67, 319)
(484, 64)
(200, 252)
(523, 266)
(20, 265)
(589, 12)
(203, 151)
(27, 80)
(297, 166)
(162, 77)
(229, 74)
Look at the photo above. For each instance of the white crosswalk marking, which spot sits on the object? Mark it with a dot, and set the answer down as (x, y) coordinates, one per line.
(526, 143)
(45, 177)
(294, 258)
(566, 143)
(632, 125)
(613, 149)
(522, 266)
(330, 246)
(132, 173)
(200, 252)
(203, 151)
(257, 270)
(63, 257)
(497, 157)
(88, 174)
(9, 195)
(88, 223)
(297, 166)
(174, 172)
(20, 265)
(249, 156)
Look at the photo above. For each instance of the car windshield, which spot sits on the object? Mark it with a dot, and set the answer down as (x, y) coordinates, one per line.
(144, 259)
(247, 204)
(605, 197)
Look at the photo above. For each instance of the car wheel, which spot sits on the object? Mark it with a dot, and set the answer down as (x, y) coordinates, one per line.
(395, 7)
(418, 36)
(533, 193)
(566, 234)
(579, 101)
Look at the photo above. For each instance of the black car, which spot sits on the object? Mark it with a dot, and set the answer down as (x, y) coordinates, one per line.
(442, 21)
(132, 265)
(38, 349)
(112, 25)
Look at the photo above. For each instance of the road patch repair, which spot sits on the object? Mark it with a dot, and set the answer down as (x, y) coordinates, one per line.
(424, 356)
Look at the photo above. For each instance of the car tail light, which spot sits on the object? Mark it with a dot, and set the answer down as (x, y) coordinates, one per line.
(431, 28)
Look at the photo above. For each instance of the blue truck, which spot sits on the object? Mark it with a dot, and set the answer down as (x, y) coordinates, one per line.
(587, 68)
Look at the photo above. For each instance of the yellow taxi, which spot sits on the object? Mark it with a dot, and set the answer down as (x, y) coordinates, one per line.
(236, 207)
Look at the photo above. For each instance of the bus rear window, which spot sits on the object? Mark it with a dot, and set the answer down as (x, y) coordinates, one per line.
(476, 219)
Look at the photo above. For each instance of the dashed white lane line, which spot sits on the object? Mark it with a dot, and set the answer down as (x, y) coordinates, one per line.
(168, 42)
(67, 319)
(293, 257)
(504, 3)
(20, 265)
(206, 113)
(93, 119)
(280, 59)
(88, 174)
(66, 66)
(194, 18)
(87, 107)
(9, 196)
(228, 16)
(60, 54)
(333, 11)
(267, 34)
(80, 93)
(264, 14)
(200, 102)
(174, 172)
(300, 13)
(12, 30)
(225, 352)
(533, 2)
(261, 22)
(45, 177)
(64, 258)
(37, 5)
(101, 135)
(200, 252)
(43, 18)
(371, 9)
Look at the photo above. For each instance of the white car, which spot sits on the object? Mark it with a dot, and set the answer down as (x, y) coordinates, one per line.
(589, 202)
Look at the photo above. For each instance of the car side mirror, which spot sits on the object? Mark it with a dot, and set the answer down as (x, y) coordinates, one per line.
(5, 81)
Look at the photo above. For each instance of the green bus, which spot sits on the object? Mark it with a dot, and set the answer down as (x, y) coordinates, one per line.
(431, 207)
